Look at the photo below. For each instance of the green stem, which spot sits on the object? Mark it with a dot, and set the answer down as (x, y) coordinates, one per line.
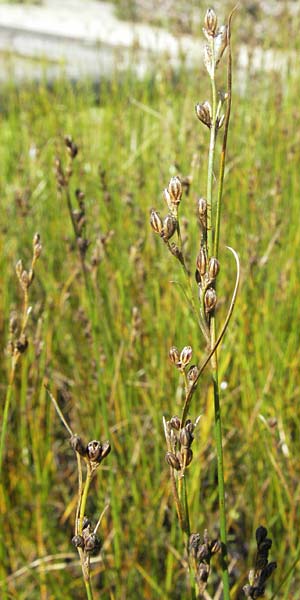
(220, 466)
(210, 169)
(85, 492)
(89, 591)
(6, 409)
(224, 143)
(211, 246)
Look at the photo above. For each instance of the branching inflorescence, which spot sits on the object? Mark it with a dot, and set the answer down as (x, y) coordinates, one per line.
(18, 338)
(85, 537)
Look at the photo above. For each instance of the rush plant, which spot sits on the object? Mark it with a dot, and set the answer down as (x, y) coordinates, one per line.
(214, 114)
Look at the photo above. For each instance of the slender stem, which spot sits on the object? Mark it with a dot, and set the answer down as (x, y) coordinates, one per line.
(220, 337)
(214, 360)
(7, 407)
(89, 591)
(89, 477)
(211, 154)
(220, 465)
(80, 489)
(224, 143)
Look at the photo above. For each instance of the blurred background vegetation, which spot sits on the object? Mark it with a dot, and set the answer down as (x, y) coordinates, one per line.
(107, 361)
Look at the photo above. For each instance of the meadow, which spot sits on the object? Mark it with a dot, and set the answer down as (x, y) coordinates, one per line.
(100, 336)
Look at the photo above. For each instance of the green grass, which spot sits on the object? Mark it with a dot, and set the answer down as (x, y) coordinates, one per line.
(111, 389)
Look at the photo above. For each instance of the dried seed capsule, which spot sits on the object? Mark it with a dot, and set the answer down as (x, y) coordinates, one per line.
(106, 448)
(186, 456)
(210, 299)
(194, 543)
(94, 450)
(261, 534)
(22, 343)
(13, 323)
(36, 239)
(169, 227)
(203, 573)
(189, 425)
(19, 268)
(174, 355)
(193, 373)
(264, 546)
(201, 261)
(269, 569)
(185, 437)
(186, 355)
(78, 541)
(156, 222)
(175, 190)
(202, 208)
(175, 422)
(86, 523)
(25, 279)
(203, 553)
(37, 251)
(203, 112)
(168, 199)
(213, 267)
(172, 461)
(215, 546)
(210, 21)
(92, 543)
(77, 445)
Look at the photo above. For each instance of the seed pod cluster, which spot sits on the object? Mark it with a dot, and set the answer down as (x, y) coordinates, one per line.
(202, 551)
(181, 359)
(168, 225)
(88, 541)
(217, 38)
(72, 148)
(18, 341)
(94, 451)
(263, 569)
(204, 114)
(180, 440)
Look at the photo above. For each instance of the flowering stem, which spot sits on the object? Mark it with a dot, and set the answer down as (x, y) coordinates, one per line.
(212, 246)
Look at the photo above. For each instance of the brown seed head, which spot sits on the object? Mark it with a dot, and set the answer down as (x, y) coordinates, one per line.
(201, 261)
(19, 268)
(172, 461)
(78, 541)
(175, 190)
(78, 445)
(92, 543)
(203, 112)
(210, 299)
(193, 373)
(215, 546)
(261, 534)
(186, 355)
(186, 456)
(156, 222)
(213, 267)
(174, 355)
(94, 450)
(169, 227)
(175, 422)
(211, 21)
(106, 448)
(202, 208)
(185, 437)
(21, 344)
